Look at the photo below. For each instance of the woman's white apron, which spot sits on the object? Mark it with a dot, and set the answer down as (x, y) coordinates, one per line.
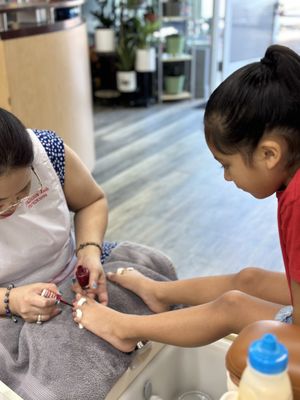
(36, 243)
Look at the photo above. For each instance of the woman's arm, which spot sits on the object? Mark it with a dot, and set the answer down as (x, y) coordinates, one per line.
(295, 286)
(86, 198)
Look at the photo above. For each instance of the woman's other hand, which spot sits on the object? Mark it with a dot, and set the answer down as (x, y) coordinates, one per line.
(88, 201)
(97, 281)
(27, 302)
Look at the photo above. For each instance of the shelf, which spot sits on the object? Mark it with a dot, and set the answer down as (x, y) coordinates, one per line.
(106, 94)
(105, 53)
(175, 19)
(183, 63)
(166, 57)
(174, 97)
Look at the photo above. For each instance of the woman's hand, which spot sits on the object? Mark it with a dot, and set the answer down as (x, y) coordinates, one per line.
(88, 201)
(27, 302)
(97, 281)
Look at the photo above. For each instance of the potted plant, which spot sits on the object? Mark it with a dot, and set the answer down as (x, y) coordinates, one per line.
(173, 8)
(174, 44)
(126, 75)
(144, 30)
(134, 3)
(174, 78)
(104, 33)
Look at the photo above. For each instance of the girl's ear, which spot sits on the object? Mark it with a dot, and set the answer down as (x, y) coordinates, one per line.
(271, 152)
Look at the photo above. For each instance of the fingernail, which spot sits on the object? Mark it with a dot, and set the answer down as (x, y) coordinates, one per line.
(109, 273)
(94, 285)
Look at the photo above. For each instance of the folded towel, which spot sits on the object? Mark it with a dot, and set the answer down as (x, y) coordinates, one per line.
(58, 361)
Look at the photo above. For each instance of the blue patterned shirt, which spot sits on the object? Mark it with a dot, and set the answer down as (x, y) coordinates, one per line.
(55, 150)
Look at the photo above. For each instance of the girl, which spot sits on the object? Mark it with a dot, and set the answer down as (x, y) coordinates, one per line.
(252, 128)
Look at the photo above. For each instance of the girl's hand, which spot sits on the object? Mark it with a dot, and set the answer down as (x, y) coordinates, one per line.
(97, 281)
(27, 302)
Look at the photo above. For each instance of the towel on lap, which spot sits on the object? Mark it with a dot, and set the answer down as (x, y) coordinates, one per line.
(59, 361)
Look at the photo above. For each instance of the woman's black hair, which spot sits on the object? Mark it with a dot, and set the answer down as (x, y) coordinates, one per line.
(16, 149)
(253, 101)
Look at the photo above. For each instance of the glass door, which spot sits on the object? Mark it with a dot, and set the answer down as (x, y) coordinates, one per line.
(248, 31)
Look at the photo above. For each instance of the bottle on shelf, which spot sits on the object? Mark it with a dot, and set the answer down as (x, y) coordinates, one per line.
(266, 376)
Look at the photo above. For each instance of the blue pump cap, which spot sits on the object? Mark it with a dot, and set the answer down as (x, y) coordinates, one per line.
(267, 355)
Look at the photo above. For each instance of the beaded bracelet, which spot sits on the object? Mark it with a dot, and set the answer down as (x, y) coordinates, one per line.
(8, 313)
(83, 245)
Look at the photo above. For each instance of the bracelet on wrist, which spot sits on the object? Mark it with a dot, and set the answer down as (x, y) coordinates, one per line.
(8, 312)
(83, 245)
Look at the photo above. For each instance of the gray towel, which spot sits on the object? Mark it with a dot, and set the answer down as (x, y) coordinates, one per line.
(59, 361)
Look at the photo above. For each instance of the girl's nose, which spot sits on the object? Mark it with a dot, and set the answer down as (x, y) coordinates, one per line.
(227, 176)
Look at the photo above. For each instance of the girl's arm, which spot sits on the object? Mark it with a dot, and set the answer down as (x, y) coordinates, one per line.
(86, 198)
(295, 286)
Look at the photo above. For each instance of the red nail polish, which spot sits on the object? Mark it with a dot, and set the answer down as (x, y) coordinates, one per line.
(83, 276)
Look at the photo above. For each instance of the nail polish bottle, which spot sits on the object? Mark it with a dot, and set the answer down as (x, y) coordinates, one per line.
(83, 276)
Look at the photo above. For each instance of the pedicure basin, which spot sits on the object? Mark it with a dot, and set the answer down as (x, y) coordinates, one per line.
(164, 372)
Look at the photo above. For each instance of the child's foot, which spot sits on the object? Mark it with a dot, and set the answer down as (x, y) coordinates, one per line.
(139, 284)
(103, 322)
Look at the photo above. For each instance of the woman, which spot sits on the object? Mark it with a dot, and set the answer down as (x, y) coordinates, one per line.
(41, 181)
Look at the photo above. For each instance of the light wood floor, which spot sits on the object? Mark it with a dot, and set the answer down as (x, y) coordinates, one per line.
(166, 190)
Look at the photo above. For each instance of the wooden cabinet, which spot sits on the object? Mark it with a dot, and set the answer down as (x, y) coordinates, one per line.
(45, 81)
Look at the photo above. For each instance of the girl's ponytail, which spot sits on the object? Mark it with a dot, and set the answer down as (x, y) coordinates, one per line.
(272, 57)
(284, 63)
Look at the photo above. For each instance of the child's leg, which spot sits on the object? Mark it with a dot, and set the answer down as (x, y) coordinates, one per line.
(267, 285)
(193, 326)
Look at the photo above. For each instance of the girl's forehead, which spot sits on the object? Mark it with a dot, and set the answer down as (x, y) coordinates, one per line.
(216, 153)
(221, 157)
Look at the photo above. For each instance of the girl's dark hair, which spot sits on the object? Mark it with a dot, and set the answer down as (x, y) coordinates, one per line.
(15, 144)
(254, 100)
